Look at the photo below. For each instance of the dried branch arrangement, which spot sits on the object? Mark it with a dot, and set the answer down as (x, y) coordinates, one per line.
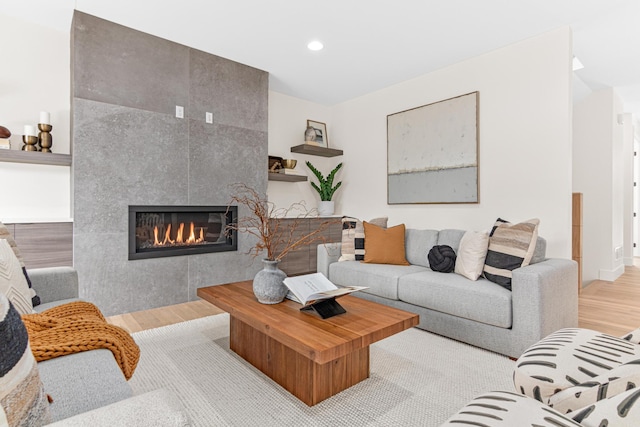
(265, 222)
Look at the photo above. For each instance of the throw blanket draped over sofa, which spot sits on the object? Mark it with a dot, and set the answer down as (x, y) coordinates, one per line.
(75, 327)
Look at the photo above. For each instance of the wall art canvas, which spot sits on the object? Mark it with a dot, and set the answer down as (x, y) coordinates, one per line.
(432, 153)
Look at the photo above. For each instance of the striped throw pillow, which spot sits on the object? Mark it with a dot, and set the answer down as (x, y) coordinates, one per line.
(13, 285)
(511, 246)
(353, 237)
(5, 234)
(22, 398)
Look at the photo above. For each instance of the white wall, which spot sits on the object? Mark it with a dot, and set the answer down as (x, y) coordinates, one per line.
(627, 186)
(598, 173)
(35, 77)
(287, 122)
(525, 141)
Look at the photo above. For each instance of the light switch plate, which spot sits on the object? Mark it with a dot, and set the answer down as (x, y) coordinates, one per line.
(208, 117)
(179, 111)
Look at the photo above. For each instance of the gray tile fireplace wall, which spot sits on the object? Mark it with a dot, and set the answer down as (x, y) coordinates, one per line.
(130, 149)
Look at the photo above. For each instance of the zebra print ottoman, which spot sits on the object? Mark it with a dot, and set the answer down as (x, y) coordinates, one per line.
(504, 409)
(573, 368)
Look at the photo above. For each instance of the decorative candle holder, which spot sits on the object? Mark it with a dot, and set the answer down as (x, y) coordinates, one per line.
(44, 137)
(30, 142)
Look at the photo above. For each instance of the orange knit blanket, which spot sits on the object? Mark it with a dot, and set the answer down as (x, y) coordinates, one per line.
(79, 326)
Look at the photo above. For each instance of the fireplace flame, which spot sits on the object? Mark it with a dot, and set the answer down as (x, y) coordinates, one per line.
(179, 240)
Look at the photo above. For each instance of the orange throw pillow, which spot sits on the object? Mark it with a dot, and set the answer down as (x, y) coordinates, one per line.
(384, 246)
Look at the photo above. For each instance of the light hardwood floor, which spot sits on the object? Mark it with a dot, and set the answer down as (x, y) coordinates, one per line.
(609, 307)
(163, 316)
(612, 307)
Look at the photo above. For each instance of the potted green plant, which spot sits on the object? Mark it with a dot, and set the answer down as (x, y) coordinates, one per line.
(325, 189)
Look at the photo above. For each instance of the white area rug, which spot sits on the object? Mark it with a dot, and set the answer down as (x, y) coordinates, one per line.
(417, 379)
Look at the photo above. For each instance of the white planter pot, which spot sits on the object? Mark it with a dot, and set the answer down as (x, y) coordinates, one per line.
(326, 208)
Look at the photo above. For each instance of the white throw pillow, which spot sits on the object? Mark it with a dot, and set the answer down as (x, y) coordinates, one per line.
(471, 254)
(12, 281)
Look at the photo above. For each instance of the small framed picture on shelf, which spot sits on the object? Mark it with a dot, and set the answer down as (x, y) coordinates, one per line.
(318, 136)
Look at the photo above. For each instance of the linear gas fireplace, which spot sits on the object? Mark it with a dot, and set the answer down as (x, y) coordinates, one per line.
(162, 231)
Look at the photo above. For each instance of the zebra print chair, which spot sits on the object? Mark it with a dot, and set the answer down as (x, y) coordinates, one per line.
(507, 409)
(573, 377)
(573, 368)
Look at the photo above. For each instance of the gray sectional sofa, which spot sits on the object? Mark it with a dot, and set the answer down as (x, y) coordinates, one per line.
(88, 388)
(544, 296)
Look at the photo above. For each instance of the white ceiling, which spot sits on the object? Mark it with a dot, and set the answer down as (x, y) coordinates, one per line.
(371, 44)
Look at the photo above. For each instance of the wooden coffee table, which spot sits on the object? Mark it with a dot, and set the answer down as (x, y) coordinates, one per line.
(310, 357)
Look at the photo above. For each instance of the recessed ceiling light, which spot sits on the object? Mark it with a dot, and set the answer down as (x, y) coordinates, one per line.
(315, 45)
(577, 65)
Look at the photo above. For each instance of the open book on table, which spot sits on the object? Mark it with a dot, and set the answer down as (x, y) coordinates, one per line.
(309, 288)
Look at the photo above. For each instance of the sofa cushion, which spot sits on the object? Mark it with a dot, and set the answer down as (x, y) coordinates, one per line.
(417, 244)
(382, 279)
(384, 245)
(22, 398)
(12, 281)
(540, 252)
(161, 407)
(480, 301)
(451, 237)
(97, 381)
(352, 248)
(511, 246)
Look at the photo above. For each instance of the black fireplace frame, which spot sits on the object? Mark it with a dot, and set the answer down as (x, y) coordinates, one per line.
(231, 244)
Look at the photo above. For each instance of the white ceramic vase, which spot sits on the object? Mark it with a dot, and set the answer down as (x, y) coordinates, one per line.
(326, 208)
(268, 285)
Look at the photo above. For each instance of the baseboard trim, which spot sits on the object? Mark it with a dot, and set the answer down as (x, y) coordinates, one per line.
(611, 275)
(628, 261)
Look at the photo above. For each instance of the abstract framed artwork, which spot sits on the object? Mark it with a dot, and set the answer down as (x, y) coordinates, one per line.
(432, 153)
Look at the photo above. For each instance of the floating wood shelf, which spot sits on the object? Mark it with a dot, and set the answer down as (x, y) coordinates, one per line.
(35, 157)
(275, 176)
(316, 151)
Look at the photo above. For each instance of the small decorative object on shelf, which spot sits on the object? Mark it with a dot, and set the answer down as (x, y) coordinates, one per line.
(288, 168)
(29, 138)
(5, 142)
(275, 163)
(4, 132)
(45, 139)
(316, 134)
(310, 135)
(326, 189)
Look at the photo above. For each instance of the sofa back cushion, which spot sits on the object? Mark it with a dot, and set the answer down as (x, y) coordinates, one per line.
(540, 252)
(418, 243)
(451, 237)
